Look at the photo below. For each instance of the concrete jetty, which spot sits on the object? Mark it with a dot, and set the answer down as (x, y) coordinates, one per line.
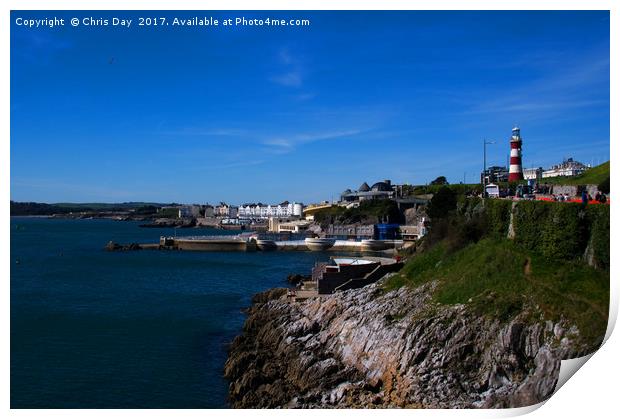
(220, 243)
(248, 242)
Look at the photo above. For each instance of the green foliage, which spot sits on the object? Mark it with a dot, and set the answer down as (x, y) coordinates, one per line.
(441, 180)
(564, 233)
(415, 271)
(528, 219)
(473, 219)
(556, 230)
(495, 214)
(372, 211)
(146, 210)
(169, 213)
(473, 263)
(498, 277)
(442, 203)
(604, 186)
(35, 208)
(498, 216)
(458, 188)
(598, 217)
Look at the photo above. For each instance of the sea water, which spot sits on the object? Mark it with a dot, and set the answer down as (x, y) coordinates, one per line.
(133, 329)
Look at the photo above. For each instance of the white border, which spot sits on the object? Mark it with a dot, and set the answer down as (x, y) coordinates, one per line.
(591, 393)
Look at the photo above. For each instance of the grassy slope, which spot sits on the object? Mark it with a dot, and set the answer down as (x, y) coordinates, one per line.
(500, 278)
(593, 176)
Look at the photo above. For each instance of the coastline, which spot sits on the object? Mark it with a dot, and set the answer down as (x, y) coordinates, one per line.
(366, 348)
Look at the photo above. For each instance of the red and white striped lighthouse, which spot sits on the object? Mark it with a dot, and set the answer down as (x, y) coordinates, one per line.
(516, 168)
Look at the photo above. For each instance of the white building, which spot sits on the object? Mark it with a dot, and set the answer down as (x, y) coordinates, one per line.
(568, 167)
(284, 209)
(298, 226)
(413, 232)
(535, 173)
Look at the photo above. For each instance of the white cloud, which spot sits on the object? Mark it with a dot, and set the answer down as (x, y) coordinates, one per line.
(554, 92)
(286, 144)
(291, 72)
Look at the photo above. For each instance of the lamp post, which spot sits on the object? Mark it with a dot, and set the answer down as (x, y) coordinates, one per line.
(484, 168)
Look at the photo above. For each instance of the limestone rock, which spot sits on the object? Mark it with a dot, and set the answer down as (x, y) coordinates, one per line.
(365, 348)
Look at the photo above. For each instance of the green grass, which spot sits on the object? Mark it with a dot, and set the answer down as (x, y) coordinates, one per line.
(593, 176)
(491, 277)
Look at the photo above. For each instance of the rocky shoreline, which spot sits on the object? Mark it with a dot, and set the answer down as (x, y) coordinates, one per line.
(369, 348)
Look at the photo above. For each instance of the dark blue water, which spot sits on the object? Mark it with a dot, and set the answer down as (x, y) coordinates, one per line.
(141, 329)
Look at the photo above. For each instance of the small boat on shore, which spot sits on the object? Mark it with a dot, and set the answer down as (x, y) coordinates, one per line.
(319, 244)
(351, 261)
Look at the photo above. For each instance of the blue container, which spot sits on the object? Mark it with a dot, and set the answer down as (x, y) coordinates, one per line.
(387, 231)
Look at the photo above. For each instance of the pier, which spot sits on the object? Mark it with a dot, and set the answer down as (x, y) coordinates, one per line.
(249, 242)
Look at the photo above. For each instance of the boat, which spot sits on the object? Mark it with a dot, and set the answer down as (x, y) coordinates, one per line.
(319, 244)
(351, 261)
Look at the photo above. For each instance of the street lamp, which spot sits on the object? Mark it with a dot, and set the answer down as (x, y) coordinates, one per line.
(484, 168)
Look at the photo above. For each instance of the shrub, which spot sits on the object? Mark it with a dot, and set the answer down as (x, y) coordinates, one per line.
(442, 203)
(604, 186)
(556, 230)
(441, 180)
(529, 217)
(498, 216)
(598, 218)
(374, 211)
(565, 233)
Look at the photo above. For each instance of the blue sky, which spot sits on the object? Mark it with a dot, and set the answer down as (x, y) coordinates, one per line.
(299, 113)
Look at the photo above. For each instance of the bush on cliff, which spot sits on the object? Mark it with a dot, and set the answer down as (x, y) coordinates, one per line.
(442, 203)
(598, 219)
(458, 188)
(374, 211)
(497, 277)
(564, 231)
(469, 255)
(470, 220)
(556, 230)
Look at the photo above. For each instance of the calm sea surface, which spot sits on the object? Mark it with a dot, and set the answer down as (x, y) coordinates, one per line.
(142, 329)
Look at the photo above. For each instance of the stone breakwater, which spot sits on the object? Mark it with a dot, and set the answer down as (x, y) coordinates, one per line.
(366, 348)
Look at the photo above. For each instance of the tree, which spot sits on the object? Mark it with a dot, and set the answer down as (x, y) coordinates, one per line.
(604, 186)
(441, 180)
(442, 203)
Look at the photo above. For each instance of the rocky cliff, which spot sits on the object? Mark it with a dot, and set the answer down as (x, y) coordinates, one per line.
(368, 348)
